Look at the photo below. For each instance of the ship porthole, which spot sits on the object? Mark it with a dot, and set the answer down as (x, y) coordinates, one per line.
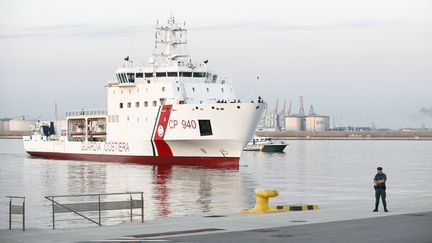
(238, 107)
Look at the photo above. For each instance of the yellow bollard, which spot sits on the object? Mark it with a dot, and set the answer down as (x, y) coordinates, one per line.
(261, 204)
(262, 198)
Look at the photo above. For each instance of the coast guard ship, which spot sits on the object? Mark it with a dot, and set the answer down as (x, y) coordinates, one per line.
(170, 111)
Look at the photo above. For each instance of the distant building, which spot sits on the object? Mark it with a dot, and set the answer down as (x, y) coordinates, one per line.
(317, 123)
(271, 121)
(414, 129)
(352, 129)
(17, 124)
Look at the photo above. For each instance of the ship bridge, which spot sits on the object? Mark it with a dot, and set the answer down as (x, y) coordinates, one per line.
(170, 77)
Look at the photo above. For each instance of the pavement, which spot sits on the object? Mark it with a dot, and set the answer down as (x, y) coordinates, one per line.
(349, 223)
(414, 227)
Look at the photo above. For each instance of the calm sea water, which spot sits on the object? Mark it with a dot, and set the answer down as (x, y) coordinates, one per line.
(327, 173)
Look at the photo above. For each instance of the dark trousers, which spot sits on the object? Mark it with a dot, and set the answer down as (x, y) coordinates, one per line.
(380, 193)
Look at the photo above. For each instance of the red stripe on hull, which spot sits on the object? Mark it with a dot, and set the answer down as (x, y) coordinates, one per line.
(208, 162)
(161, 146)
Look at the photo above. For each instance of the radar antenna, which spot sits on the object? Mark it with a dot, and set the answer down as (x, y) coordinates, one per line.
(170, 43)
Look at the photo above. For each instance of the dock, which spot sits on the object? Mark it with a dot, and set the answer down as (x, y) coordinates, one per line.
(406, 222)
(348, 135)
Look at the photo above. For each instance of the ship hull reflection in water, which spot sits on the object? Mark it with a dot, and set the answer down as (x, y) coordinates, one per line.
(161, 175)
(169, 190)
(185, 190)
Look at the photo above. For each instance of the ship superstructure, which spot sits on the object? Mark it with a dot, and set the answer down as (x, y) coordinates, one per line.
(170, 111)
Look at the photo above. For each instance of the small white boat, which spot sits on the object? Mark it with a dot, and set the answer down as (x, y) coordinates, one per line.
(265, 145)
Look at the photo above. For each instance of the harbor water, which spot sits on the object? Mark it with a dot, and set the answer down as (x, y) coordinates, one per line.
(328, 173)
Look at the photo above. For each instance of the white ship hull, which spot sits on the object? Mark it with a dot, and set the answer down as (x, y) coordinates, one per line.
(174, 137)
(171, 111)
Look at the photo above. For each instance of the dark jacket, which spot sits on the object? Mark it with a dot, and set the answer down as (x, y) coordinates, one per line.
(380, 176)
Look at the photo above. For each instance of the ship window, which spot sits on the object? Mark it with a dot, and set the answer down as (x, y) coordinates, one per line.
(131, 77)
(178, 88)
(148, 75)
(145, 103)
(160, 74)
(185, 74)
(193, 89)
(199, 75)
(222, 89)
(129, 105)
(205, 127)
(136, 104)
(154, 102)
(118, 77)
(139, 75)
(121, 105)
(124, 78)
(214, 78)
(208, 90)
(172, 74)
(163, 88)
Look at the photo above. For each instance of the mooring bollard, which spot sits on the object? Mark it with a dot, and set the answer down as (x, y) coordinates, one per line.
(262, 201)
(262, 204)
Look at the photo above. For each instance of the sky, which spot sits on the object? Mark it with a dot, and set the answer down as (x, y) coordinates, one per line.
(357, 61)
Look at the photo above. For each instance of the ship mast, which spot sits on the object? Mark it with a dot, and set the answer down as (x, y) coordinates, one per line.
(170, 43)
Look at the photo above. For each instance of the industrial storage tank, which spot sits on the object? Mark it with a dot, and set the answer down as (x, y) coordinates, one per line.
(20, 124)
(316, 123)
(294, 123)
(4, 125)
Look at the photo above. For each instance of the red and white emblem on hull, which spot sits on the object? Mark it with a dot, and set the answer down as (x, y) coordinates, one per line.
(160, 131)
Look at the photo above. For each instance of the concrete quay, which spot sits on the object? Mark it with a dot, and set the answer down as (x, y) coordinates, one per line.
(406, 222)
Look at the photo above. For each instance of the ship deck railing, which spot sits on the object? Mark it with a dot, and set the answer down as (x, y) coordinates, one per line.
(90, 112)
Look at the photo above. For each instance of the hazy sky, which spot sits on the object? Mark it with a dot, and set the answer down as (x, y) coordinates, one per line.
(356, 61)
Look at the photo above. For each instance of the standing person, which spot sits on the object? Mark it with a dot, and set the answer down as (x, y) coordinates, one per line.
(380, 189)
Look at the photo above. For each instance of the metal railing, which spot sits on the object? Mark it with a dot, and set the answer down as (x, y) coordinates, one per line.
(16, 209)
(99, 205)
(91, 112)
